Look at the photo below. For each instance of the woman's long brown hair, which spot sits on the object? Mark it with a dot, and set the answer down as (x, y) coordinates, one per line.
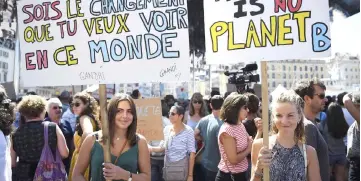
(112, 111)
(91, 109)
(202, 112)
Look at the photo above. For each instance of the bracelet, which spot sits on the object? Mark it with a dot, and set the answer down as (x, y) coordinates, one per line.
(258, 175)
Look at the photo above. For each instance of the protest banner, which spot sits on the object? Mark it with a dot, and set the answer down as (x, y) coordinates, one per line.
(103, 42)
(149, 114)
(239, 31)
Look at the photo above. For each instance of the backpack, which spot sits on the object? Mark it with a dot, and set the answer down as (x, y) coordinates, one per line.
(49, 169)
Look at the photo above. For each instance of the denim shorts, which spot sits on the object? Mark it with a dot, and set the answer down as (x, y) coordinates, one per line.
(337, 159)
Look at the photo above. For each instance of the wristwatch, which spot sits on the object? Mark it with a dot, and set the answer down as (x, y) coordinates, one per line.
(130, 176)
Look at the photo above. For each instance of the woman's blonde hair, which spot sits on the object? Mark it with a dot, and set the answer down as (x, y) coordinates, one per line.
(32, 106)
(294, 99)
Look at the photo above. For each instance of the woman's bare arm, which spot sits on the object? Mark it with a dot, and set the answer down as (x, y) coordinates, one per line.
(86, 126)
(313, 169)
(61, 143)
(83, 160)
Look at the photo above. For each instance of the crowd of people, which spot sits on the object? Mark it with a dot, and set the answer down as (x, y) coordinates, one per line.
(312, 137)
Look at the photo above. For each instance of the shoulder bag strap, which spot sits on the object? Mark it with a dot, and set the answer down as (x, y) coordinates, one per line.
(46, 126)
(225, 162)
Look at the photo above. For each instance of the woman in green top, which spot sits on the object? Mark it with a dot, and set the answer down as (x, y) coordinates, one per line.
(129, 151)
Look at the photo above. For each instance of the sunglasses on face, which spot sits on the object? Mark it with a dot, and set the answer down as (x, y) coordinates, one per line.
(57, 107)
(321, 96)
(172, 114)
(76, 104)
(197, 102)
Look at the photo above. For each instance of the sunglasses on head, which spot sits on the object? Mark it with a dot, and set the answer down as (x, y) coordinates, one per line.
(197, 102)
(76, 104)
(321, 96)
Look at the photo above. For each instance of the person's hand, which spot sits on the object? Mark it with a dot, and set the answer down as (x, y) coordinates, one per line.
(150, 148)
(264, 158)
(190, 178)
(250, 142)
(113, 172)
(346, 98)
(258, 123)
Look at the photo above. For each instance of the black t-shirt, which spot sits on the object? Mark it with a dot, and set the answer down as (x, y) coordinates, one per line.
(250, 127)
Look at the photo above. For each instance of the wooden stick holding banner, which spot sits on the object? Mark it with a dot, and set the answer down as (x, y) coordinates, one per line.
(265, 115)
(104, 122)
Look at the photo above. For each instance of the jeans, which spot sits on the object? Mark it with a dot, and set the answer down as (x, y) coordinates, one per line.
(222, 176)
(354, 170)
(209, 175)
(157, 170)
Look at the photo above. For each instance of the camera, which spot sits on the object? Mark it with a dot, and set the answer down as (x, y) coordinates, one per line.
(242, 79)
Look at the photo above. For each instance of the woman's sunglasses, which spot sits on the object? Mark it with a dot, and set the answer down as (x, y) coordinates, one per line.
(76, 104)
(172, 114)
(57, 107)
(197, 102)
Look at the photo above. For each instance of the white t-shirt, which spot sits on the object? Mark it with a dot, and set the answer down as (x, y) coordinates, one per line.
(349, 119)
(5, 157)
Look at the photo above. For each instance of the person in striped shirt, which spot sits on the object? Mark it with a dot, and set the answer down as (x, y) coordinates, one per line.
(179, 148)
(233, 140)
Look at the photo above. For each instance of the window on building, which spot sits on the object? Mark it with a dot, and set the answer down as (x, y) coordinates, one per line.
(306, 68)
(284, 76)
(5, 76)
(300, 68)
(290, 84)
(285, 84)
(346, 76)
(311, 69)
(345, 69)
(273, 67)
(284, 67)
(289, 68)
(316, 68)
(301, 77)
(316, 75)
(289, 76)
(295, 68)
(321, 76)
(273, 84)
(306, 76)
(311, 76)
(273, 75)
(351, 70)
(267, 75)
(321, 68)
